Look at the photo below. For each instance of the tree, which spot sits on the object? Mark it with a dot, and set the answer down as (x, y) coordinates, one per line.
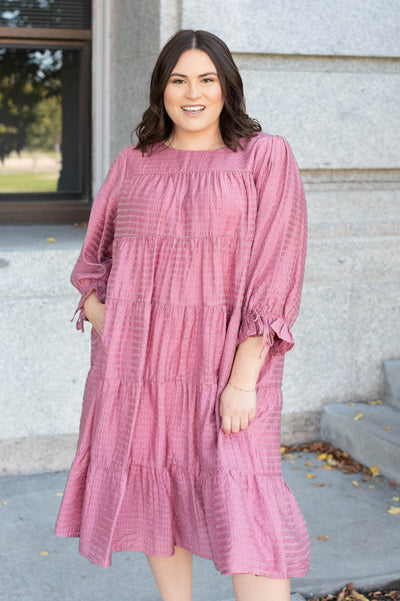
(29, 83)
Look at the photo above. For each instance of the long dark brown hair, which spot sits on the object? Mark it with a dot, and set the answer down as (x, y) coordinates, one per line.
(156, 125)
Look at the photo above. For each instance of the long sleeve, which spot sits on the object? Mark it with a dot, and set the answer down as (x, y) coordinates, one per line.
(277, 260)
(94, 263)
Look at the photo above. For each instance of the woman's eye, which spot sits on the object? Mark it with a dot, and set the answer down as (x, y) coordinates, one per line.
(178, 81)
(207, 79)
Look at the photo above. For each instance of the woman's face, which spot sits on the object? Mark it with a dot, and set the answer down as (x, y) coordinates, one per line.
(193, 96)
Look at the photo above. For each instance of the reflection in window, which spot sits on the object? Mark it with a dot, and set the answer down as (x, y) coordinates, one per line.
(39, 120)
(65, 14)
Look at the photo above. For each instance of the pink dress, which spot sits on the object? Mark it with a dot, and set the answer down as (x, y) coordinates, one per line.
(192, 252)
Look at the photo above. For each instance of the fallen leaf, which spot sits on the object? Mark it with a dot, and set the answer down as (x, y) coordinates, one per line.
(308, 463)
(292, 461)
(318, 484)
(59, 494)
(369, 415)
(359, 596)
(394, 510)
(322, 537)
(375, 470)
(355, 483)
(43, 553)
(371, 486)
(358, 416)
(387, 427)
(351, 404)
(283, 450)
(376, 402)
(331, 461)
(50, 239)
(322, 449)
(295, 467)
(367, 478)
(396, 498)
(310, 475)
(327, 467)
(392, 483)
(4, 503)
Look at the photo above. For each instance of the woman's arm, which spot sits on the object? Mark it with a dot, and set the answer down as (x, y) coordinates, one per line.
(93, 266)
(247, 364)
(238, 408)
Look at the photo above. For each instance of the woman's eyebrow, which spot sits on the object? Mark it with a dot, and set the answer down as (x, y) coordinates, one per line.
(181, 74)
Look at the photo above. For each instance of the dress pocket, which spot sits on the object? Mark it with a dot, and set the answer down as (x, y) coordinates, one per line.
(105, 320)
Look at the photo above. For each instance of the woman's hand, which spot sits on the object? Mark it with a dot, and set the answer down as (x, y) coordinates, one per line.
(237, 408)
(94, 310)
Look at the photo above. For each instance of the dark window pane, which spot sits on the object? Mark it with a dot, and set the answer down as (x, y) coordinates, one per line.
(64, 14)
(40, 120)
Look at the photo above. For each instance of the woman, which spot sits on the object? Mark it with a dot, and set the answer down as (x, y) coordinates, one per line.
(191, 275)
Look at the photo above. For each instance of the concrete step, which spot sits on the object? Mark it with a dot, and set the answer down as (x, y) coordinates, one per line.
(365, 439)
(391, 382)
(293, 597)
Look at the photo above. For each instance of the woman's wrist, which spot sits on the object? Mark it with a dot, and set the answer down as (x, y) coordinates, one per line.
(246, 365)
(251, 389)
(90, 303)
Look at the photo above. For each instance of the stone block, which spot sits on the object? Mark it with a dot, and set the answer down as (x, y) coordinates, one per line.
(391, 382)
(365, 439)
(318, 368)
(375, 334)
(31, 267)
(37, 454)
(331, 120)
(44, 361)
(301, 426)
(350, 210)
(136, 27)
(359, 28)
(131, 81)
(353, 260)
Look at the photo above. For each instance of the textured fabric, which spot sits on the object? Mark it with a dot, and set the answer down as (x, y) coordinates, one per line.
(192, 252)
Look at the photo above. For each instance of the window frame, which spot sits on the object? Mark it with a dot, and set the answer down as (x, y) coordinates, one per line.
(59, 207)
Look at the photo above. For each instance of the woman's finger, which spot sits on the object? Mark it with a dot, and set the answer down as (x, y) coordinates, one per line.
(235, 424)
(244, 422)
(226, 424)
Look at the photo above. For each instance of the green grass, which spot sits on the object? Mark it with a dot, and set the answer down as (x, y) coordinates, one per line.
(28, 182)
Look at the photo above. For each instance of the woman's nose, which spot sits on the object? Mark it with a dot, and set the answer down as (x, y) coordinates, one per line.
(192, 91)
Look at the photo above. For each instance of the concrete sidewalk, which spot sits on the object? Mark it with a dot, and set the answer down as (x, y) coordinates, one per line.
(363, 545)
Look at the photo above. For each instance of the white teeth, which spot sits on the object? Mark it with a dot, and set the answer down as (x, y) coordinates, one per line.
(193, 108)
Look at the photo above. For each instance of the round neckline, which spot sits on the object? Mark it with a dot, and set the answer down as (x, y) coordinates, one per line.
(192, 150)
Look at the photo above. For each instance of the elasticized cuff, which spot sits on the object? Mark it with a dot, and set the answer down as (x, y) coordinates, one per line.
(274, 330)
(81, 317)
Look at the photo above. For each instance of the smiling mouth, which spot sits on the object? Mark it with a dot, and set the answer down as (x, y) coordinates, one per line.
(193, 109)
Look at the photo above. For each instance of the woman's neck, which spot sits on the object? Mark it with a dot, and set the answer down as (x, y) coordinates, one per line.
(195, 141)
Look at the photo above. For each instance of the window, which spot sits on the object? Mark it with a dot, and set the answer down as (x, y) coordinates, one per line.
(44, 111)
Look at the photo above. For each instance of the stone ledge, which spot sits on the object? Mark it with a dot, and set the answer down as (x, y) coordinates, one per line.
(301, 426)
(33, 237)
(39, 454)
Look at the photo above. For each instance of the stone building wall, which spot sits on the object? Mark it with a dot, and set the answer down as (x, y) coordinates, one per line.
(324, 75)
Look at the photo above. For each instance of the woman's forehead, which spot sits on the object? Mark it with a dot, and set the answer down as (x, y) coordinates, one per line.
(194, 62)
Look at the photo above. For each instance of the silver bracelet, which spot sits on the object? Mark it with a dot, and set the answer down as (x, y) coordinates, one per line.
(242, 389)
